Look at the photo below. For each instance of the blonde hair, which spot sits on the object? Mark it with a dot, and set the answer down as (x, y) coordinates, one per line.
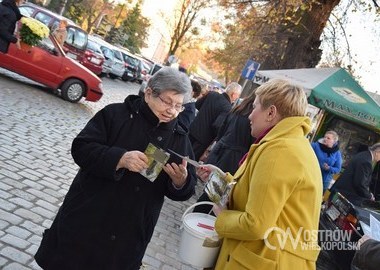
(335, 135)
(289, 99)
(64, 22)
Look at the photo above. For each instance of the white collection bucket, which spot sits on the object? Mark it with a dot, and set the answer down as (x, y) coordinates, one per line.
(199, 244)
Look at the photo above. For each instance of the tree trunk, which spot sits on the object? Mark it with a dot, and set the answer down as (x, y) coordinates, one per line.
(298, 46)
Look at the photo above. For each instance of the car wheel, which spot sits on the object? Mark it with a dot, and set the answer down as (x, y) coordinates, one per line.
(113, 76)
(124, 78)
(73, 90)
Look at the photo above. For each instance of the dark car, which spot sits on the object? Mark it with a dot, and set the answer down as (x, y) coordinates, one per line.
(156, 67)
(132, 66)
(76, 41)
(47, 64)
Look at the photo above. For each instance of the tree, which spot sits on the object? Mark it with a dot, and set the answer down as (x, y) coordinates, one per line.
(182, 23)
(133, 30)
(281, 34)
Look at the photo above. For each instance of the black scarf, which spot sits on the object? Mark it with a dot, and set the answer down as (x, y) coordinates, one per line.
(12, 5)
(329, 150)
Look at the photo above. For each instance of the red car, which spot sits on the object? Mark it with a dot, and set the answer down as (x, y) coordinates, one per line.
(47, 64)
(76, 43)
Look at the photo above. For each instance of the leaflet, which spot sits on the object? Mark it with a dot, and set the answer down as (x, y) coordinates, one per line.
(157, 158)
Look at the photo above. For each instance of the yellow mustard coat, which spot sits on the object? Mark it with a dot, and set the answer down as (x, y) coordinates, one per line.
(273, 215)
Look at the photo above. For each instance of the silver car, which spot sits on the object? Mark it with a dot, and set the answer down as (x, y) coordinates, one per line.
(111, 65)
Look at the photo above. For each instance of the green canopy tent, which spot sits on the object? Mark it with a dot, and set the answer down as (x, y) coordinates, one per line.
(333, 90)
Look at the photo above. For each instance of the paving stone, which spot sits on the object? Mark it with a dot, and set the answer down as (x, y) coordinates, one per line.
(15, 255)
(9, 217)
(19, 232)
(28, 215)
(15, 266)
(15, 241)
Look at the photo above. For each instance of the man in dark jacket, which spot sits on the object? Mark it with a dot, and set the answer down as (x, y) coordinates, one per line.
(212, 110)
(367, 257)
(9, 15)
(108, 216)
(356, 178)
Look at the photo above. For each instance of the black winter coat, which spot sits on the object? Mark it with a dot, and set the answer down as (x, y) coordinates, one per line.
(212, 110)
(354, 182)
(233, 141)
(107, 218)
(9, 15)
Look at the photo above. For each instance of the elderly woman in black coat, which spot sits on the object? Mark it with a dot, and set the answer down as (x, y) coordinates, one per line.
(108, 216)
(9, 15)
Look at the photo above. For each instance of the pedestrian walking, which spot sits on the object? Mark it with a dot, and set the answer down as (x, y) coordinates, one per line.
(9, 15)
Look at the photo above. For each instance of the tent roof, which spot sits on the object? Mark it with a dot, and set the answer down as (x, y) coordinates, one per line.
(331, 89)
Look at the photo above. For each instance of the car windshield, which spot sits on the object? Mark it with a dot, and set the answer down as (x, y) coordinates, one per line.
(118, 55)
(92, 46)
(76, 37)
(130, 60)
(47, 45)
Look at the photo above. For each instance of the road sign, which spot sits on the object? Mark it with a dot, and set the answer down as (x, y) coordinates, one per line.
(250, 69)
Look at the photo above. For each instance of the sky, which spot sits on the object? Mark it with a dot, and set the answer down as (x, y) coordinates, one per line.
(363, 32)
(366, 45)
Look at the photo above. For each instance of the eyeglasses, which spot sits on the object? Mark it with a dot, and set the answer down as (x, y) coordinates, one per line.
(167, 104)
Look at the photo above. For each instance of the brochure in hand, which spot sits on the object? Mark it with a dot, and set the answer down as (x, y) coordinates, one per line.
(218, 189)
(157, 158)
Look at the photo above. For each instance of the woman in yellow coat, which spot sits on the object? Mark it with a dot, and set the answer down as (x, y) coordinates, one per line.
(272, 218)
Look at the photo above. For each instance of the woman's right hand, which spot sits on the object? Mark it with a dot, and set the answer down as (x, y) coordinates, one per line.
(135, 161)
(204, 171)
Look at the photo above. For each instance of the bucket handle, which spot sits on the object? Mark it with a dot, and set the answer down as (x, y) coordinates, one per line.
(191, 207)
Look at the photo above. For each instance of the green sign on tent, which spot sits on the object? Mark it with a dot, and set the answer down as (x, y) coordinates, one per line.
(334, 90)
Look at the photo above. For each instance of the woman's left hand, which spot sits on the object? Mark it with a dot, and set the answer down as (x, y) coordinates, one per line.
(178, 173)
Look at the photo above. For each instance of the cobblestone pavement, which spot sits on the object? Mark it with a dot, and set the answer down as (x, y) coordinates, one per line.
(36, 169)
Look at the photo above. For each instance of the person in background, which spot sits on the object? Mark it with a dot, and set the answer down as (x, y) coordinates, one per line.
(329, 157)
(233, 141)
(9, 15)
(187, 116)
(212, 110)
(367, 257)
(61, 32)
(110, 211)
(277, 191)
(354, 182)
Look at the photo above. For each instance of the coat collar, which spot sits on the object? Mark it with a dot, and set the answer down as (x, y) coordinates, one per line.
(290, 127)
(137, 105)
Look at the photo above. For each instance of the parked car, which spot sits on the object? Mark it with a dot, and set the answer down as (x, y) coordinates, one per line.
(119, 59)
(75, 44)
(156, 67)
(94, 57)
(145, 67)
(132, 66)
(47, 64)
(112, 66)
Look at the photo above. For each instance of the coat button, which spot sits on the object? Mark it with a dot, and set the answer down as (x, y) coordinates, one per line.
(113, 237)
(159, 138)
(137, 189)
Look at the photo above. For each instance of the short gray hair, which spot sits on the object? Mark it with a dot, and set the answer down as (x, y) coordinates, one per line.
(375, 147)
(233, 87)
(168, 78)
